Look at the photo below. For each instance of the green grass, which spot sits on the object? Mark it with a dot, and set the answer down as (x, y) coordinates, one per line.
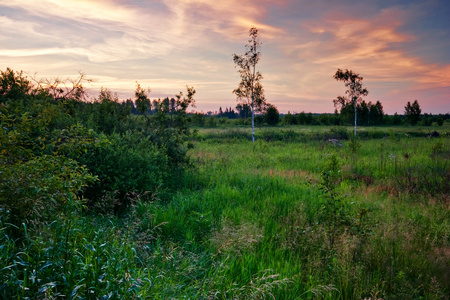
(251, 224)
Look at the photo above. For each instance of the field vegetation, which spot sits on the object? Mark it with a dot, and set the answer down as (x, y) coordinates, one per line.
(100, 203)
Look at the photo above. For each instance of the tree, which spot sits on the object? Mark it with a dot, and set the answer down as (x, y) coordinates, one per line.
(142, 101)
(355, 90)
(376, 113)
(412, 112)
(65, 89)
(243, 110)
(272, 115)
(289, 119)
(13, 85)
(301, 118)
(363, 111)
(250, 90)
(396, 120)
(108, 114)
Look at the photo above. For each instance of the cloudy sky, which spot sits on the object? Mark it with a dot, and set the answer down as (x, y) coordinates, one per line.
(400, 47)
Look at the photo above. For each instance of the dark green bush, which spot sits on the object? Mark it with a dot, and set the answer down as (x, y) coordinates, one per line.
(127, 163)
(36, 190)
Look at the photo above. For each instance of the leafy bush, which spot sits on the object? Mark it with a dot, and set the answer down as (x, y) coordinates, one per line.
(37, 179)
(44, 127)
(127, 163)
(41, 187)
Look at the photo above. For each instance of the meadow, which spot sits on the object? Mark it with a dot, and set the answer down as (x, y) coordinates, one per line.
(292, 216)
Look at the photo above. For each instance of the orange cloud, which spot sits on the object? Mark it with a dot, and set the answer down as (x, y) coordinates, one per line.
(374, 48)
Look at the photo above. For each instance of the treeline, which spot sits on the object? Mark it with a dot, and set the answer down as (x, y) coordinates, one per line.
(369, 114)
(59, 151)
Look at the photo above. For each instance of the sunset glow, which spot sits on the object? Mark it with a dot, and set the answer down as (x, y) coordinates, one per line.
(400, 47)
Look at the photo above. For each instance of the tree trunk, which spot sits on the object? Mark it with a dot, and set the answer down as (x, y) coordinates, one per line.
(253, 119)
(253, 103)
(354, 103)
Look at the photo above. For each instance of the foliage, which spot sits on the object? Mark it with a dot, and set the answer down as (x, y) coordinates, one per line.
(13, 85)
(289, 119)
(70, 259)
(107, 114)
(125, 164)
(197, 119)
(37, 178)
(396, 119)
(254, 225)
(143, 104)
(49, 138)
(272, 116)
(168, 128)
(369, 113)
(37, 189)
(65, 89)
(412, 112)
(244, 110)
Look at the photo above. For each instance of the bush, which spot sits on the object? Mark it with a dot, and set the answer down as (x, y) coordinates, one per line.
(289, 119)
(126, 164)
(40, 188)
(37, 178)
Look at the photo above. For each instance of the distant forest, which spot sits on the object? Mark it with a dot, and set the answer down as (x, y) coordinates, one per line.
(369, 114)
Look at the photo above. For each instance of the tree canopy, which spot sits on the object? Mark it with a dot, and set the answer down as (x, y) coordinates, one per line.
(412, 112)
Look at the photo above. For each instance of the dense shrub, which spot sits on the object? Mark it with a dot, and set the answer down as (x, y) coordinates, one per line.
(38, 179)
(38, 189)
(127, 163)
(48, 133)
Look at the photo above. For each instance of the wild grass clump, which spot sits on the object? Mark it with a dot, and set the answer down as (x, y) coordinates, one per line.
(70, 259)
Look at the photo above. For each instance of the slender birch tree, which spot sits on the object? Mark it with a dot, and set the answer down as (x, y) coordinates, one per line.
(250, 90)
(355, 89)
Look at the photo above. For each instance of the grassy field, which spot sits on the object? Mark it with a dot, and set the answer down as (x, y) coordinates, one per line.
(290, 217)
(271, 213)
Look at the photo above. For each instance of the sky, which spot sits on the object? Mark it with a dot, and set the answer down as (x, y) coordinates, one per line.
(401, 48)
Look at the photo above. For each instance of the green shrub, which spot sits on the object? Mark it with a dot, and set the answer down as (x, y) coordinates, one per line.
(127, 163)
(41, 187)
